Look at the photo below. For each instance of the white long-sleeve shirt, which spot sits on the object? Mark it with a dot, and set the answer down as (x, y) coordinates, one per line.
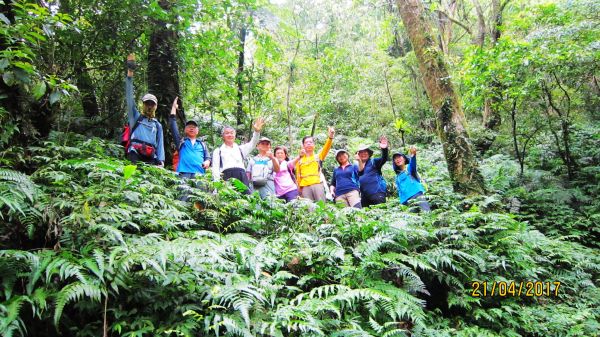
(231, 156)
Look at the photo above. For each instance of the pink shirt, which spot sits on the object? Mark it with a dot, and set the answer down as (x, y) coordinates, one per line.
(283, 180)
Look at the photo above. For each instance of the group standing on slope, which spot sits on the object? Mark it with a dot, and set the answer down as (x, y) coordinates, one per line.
(270, 173)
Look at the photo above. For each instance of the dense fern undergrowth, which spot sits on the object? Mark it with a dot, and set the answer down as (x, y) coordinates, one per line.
(93, 246)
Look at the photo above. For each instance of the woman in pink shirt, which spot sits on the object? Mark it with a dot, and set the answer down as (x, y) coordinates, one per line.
(285, 181)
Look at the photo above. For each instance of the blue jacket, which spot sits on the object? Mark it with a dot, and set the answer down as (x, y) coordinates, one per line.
(149, 131)
(371, 179)
(345, 179)
(191, 156)
(407, 181)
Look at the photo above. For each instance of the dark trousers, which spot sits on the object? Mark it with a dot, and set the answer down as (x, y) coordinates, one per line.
(239, 174)
(289, 196)
(134, 157)
(420, 201)
(373, 199)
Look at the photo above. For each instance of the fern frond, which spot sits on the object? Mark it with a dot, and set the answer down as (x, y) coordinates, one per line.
(75, 291)
(65, 269)
(9, 320)
(374, 244)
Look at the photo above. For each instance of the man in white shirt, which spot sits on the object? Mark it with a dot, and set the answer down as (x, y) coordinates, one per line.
(228, 159)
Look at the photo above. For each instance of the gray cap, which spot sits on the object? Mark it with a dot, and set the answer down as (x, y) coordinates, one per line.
(149, 97)
(191, 121)
(264, 139)
(341, 151)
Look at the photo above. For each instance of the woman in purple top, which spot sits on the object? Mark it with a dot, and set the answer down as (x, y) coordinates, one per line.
(285, 181)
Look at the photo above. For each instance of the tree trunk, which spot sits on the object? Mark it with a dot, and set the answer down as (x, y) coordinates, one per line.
(87, 91)
(239, 116)
(163, 79)
(387, 88)
(479, 38)
(451, 123)
(565, 126)
(520, 156)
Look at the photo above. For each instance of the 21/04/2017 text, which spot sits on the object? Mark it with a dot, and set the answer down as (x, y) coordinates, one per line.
(515, 288)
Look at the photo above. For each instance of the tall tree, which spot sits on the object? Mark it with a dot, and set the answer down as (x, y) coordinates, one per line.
(163, 70)
(239, 115)
(451, 123)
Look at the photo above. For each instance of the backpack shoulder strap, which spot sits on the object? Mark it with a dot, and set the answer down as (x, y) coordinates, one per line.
(137, 123)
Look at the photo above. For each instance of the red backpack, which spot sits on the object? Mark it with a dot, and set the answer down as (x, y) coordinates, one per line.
(127, 132)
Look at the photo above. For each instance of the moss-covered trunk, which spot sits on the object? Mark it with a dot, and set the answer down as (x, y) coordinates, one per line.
(451, 123)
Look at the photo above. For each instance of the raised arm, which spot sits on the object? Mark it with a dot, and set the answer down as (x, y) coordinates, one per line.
(132, 113)
(248, 147)
(257, 126)
(327, 146)
(275, 161)
(412, 165)
(383, 145)
(173, 123)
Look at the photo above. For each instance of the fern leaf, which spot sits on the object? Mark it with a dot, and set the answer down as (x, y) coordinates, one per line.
(75, 292)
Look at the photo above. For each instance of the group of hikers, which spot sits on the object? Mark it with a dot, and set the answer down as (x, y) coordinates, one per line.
(270, 172)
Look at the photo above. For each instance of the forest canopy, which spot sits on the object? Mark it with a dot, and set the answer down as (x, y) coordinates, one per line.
(501, 97)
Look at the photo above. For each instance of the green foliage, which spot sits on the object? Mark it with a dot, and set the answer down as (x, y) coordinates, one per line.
(236, 265)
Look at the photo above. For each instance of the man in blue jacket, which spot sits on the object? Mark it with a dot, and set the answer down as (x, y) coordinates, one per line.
(194, 157)
(372, 185)
(146, 142)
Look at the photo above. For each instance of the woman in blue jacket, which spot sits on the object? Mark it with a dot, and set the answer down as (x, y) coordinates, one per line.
(408, 181)
(372, 185)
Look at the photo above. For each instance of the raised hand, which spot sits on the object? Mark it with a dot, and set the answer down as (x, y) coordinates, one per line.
(412, 150)
(174, 107)
(330, 131)
(258, 124)
(130, 64)
(383, 142)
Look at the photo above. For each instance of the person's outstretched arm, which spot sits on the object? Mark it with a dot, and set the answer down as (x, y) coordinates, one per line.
(132, 112)
(384, 146)
(275, 162)
(173, 123)
(257, 127)
(412, 165)
(325, 150)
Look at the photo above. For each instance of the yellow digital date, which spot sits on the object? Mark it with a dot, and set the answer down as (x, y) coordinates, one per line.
(514, 288)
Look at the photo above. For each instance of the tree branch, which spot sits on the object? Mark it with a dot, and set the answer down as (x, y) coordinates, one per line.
(463, 26)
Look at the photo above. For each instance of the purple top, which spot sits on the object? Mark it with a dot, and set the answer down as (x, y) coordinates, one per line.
(284, 182)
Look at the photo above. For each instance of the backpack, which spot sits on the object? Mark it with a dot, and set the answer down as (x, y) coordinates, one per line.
(261, 173)
(127, 132)
(143, 149)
